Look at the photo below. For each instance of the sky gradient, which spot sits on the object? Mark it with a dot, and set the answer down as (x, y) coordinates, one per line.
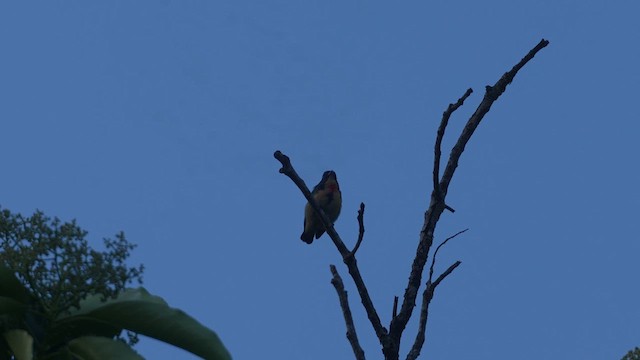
(160, 119)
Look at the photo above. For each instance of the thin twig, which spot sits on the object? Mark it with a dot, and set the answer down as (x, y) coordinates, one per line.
(435, 253)
(360, 229)
(436, 205)
(438, 144)
(440, 135)
(427, 296)
(336, 280)
(446, 273)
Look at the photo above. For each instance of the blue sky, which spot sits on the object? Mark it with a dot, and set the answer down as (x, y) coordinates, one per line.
(160, 119)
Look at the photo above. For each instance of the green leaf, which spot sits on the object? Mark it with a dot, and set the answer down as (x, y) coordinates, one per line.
(21, 343)
(146, 314)
(101, 348)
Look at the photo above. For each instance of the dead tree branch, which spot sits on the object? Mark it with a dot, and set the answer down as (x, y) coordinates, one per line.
(336, 280)
(492, 93)
(438, 195)
(390, 340)
(360, 229)
(427, 296)
(394, 311)
(435, 253)
(438, 144)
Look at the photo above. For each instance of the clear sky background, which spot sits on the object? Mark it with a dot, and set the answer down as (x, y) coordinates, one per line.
(160, 119)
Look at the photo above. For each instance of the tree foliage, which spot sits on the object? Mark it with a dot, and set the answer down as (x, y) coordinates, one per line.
(61, 299)
(55, 262)
(632, 354)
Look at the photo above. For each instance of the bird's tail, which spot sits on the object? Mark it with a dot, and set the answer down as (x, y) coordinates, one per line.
(307, 237)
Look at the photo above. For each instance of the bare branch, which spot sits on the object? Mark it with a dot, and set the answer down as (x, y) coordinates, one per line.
(445, 274)
(346, 312)
(288, 170)
(438, 144)
(360, 229)
(395, 307)
(390, 340)
(427, 296)
(492, 93)
(440, 135)
(435, 253)
(437, 203)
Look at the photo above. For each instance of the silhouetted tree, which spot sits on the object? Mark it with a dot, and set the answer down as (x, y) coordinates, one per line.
(390, 337)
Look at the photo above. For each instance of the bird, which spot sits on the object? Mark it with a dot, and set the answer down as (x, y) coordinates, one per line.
(327, 194)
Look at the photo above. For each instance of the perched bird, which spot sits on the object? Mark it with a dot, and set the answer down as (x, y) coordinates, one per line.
(327, 194)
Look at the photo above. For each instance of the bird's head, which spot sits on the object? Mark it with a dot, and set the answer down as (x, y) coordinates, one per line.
(329, 181)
